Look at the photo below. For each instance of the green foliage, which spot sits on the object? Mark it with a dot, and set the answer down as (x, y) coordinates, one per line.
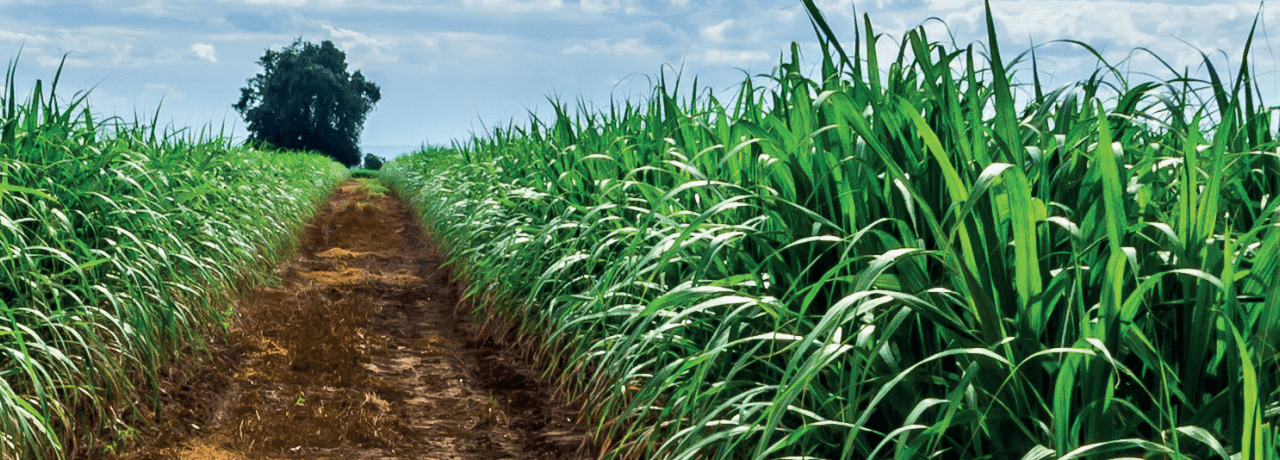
(118, 246)
(889, 262)
(305, 99)
(372, 162)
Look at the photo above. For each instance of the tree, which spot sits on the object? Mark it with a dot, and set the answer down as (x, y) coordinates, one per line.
(304, 99)
(372, 162)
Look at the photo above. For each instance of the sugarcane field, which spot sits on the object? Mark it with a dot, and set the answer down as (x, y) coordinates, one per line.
(639, 229)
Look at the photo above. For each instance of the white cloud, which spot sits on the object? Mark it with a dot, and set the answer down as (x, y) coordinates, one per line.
(516, 6)
(599, 6)
(499, 56)
(100, 46)
(1128, 24)
(475, 46)
(284, 3)
(157, 91)
(716, 32)
(764, 28)
(21, 38)
(626, 47)
(1176, 31)
(46, 60)
(205, 52)
(734, 58)
(350, 35)
(361, 48)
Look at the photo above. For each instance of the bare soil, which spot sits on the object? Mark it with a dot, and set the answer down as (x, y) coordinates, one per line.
(361, 354)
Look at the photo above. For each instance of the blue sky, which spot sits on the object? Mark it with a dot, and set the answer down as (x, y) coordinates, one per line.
(448, 68)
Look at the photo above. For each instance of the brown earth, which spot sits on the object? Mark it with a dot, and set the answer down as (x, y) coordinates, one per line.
(362, 354)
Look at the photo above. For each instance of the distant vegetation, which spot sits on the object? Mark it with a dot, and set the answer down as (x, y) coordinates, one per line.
(372, 162)
(119, 245)
(305, 99)
(890, 261)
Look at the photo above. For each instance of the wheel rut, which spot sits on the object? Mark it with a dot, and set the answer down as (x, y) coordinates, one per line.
(359, 353)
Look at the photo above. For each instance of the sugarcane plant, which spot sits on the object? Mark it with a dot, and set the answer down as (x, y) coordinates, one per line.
(906, 257)
(122, 248)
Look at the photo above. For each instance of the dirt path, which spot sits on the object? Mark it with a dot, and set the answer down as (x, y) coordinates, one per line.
(358, 356)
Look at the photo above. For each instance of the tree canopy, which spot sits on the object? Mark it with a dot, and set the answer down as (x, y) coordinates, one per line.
(305, 99)
(372, 162)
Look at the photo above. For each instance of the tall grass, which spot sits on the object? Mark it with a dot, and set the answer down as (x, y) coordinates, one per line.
(120, 245)
(899, 262)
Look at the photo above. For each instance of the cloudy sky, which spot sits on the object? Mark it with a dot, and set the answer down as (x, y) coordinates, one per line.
(448, 68)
